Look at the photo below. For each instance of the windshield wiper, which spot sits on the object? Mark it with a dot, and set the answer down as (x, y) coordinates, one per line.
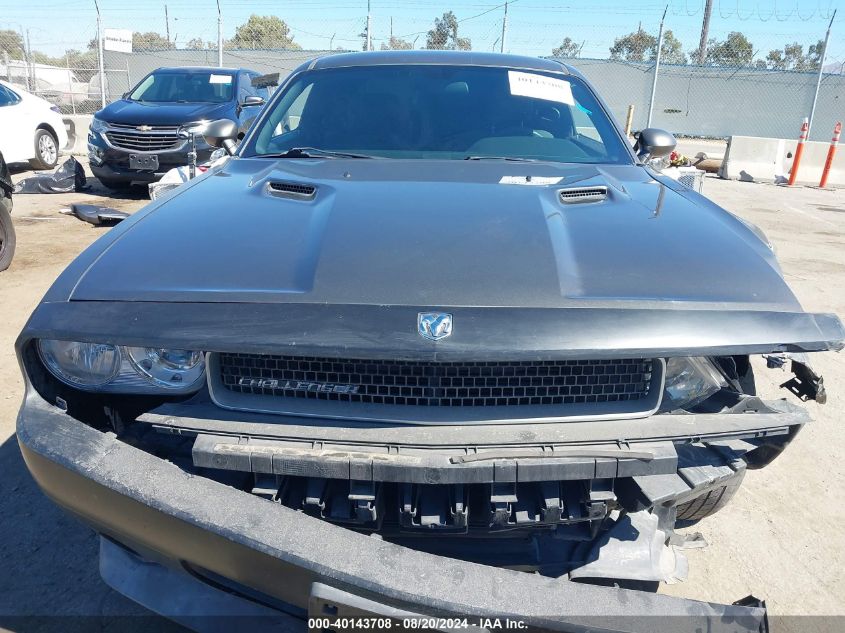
(313, 152)
(516, 159)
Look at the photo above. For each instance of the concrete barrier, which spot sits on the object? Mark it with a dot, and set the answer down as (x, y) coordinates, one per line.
(757, 159)
(77, 133)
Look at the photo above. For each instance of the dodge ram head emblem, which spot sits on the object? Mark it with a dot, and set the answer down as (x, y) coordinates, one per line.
(434, 325)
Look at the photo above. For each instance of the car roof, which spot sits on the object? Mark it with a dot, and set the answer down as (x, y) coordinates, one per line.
(200, 69)
(446, 58)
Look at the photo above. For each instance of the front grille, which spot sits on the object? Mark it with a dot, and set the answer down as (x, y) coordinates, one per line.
(159, 138)
(437, 384)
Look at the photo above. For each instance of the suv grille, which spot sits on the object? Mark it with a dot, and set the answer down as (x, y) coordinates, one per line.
(158, 138)
(437, 384)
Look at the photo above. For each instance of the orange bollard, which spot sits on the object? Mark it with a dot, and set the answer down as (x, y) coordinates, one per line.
(793, 174)
(831, 152)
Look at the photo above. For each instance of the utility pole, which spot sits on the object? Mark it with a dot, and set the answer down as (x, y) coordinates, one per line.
(167, 23)
(656, 68)
(705, 30)
(369, 26)
(504, 28)
(31, 84)
(819, 78)
(331, 42)
(219, 36)
(100, 49)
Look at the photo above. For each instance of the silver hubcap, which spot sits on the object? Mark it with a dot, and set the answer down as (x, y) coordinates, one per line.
(47, 149)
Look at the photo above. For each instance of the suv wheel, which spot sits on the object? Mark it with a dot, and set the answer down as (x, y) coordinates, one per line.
(7, 235)
(46, 150)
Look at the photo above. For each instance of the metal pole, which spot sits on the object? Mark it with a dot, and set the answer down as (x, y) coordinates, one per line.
(100, 49)
(70, 85)
(219, 36)
(819, 78)
(504, 28)
(656, 68)
(369, 25)
(167, 23)
(629, 120)
(31, 84)
(705, 30)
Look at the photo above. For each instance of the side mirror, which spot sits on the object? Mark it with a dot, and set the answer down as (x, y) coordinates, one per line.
(252, 100)
(654, 143)
(222, 133)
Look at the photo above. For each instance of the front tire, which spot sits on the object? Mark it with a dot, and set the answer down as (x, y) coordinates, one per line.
(711, 501)
(46, 150)
(7, 236)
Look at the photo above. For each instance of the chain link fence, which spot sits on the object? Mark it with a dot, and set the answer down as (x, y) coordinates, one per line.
(734, 81)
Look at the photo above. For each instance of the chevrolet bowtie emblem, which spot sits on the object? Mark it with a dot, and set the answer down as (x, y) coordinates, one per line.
(144, 128)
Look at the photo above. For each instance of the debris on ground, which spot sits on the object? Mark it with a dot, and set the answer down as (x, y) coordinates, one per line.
(69, 177)
(95, 214)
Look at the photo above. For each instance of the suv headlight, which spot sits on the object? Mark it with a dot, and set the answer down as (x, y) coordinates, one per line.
(98, 125)
(197, 128)
(109, 368)
(690, 381)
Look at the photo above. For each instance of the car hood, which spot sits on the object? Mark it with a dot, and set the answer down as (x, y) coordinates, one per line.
(435, 233)
(128, 112)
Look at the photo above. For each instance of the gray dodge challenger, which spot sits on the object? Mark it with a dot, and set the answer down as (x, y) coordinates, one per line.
(434, 345)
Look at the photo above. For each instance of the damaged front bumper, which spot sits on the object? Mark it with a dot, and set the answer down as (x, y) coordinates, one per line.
(295, 566)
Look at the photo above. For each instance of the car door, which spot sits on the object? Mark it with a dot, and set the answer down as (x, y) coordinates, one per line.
(16, 142)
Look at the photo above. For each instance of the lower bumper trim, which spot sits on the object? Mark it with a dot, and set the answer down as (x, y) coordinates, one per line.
(137, 498)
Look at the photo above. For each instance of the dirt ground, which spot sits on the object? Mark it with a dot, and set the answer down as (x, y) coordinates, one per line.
(781, 538)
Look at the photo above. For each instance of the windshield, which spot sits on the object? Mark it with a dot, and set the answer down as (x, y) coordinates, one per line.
(439, 112)
(176, 87)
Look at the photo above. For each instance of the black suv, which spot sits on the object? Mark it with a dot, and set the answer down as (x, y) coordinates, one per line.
(147, 132)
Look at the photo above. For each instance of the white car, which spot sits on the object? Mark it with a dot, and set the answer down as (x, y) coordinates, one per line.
(31, 129)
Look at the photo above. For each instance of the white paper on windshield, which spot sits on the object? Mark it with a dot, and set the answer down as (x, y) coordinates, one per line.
(537, 181)
(220, 79)
(540, 87)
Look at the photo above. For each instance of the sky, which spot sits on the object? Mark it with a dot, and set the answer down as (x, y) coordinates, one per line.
(535, 27)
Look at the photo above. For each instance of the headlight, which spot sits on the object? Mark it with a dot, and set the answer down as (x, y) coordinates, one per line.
(169, 368)
(108, 368)
(98, 125)
(197, 128)
(690, 381)
(80, 364)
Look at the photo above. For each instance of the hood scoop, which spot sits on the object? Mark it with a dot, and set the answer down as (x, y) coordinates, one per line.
(582, 195)
(295, 190)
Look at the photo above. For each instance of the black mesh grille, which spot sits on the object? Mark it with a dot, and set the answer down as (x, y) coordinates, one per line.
(432, 384)
(293, 188)
(144, 142)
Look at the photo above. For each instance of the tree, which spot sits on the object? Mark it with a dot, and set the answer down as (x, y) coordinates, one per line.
(444, 35)
(567, 48)
(672, 51)
(633, 47)
(150, 41)
(198, 44)
(12, 43)
(792, 57)
(640, 46)
(396, 44)
(264, 31)
(735, 50)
